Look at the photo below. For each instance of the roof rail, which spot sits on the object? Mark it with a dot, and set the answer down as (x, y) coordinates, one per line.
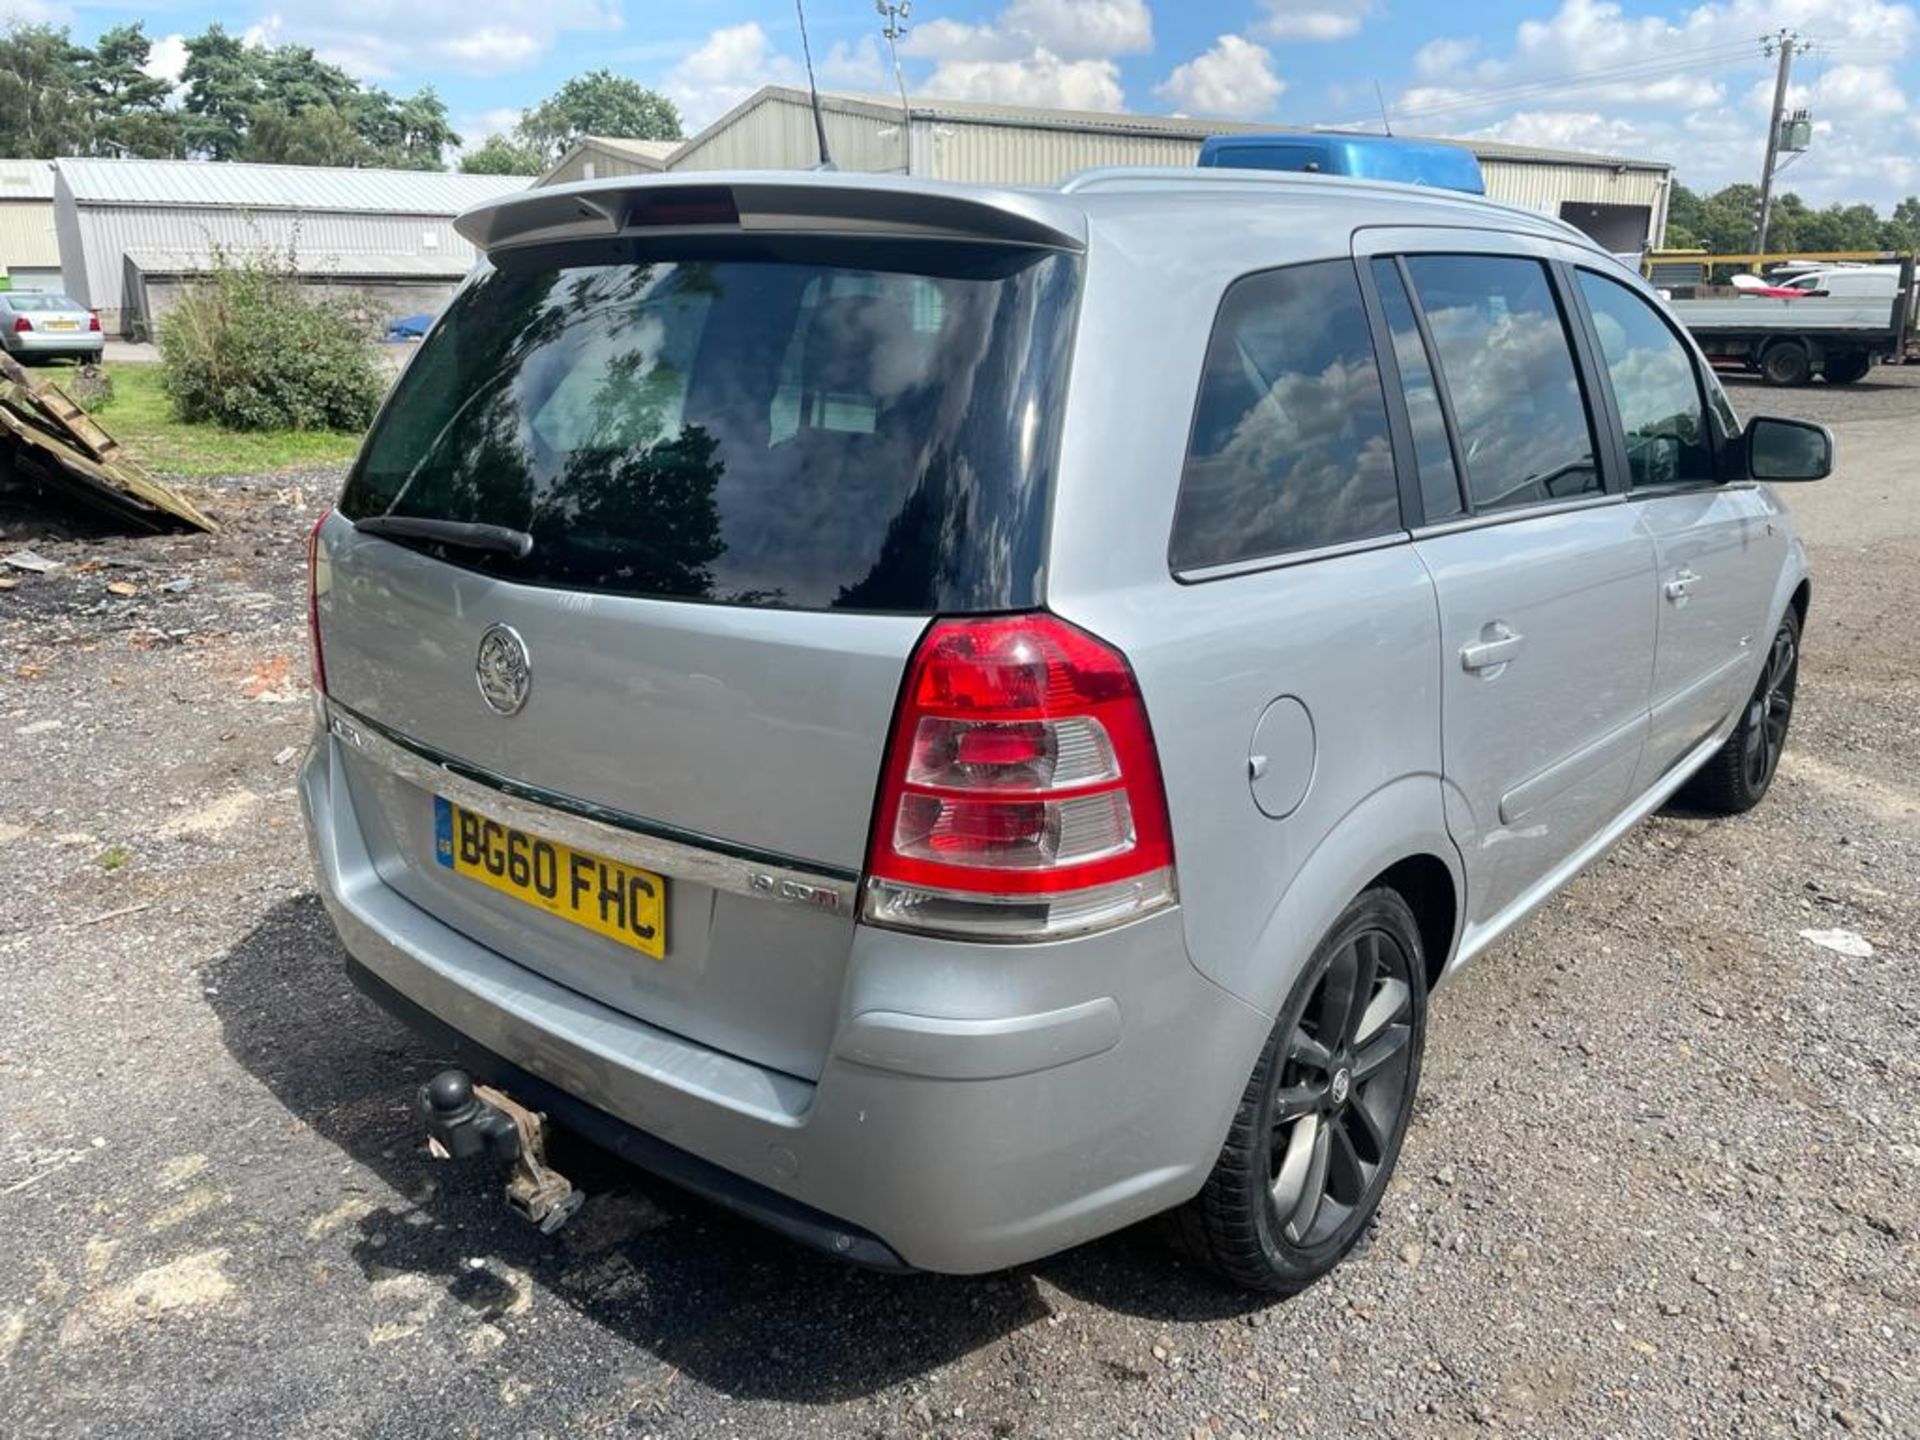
(1212, 177)
(1122, 178)
(814, 202)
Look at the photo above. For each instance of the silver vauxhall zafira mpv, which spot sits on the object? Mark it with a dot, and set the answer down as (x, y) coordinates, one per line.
(953, 720)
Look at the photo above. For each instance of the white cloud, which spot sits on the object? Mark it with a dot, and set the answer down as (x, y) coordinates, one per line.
(945, 40)
(1313, 19)
(373, 38)
(167, 59)
(727, 67)
(859, 66)
(1691, 86)
(1082, 29)
(1234, 79)
(1041, 78)
(736, 60)
(34, 12)
(1567, 130)
(1036, 52)
(476, 130)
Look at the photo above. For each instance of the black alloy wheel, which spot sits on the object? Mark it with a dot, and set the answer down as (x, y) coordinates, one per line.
(1763, 730)
(1321, 1122)
(1738, 776)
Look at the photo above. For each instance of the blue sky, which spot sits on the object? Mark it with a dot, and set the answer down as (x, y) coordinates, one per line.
(1688, 83)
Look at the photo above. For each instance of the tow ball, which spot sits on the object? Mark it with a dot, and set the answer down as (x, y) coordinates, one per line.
(465, 1121)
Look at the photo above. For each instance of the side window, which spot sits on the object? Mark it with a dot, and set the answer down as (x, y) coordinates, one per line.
(1503, 349)
(1654, 385)
(1289, 448)
(1439, 484)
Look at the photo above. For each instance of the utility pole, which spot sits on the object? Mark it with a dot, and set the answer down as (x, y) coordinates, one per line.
(1785, 41)
(895, 13)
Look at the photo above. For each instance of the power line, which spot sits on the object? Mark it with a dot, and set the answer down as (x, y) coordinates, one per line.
(1560, 84)
(1679, 62)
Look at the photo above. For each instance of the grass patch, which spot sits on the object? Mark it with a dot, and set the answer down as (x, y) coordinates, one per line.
(141, 418)
(114, 857)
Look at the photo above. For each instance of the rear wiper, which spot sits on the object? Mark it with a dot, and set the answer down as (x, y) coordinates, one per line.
(496, 539)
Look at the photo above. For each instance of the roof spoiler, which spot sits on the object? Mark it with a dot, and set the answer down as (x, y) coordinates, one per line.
(721, 202)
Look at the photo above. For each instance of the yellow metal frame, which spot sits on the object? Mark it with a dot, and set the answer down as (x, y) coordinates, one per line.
(1753, 261)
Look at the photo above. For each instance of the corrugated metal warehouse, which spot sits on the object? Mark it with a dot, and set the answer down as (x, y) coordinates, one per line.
(29, 252)
(1621, 202)
(387, 234)
(599, 156)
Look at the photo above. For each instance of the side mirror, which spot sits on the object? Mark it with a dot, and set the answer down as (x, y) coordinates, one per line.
(1777, 449)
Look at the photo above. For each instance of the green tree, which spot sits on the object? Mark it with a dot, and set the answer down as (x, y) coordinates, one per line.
(44, 109)
(316, 135)
(1902, 232)
(222, 77)
(501, 156)
(598, 103)
(128, 112)
(409, 134)
(292, 78)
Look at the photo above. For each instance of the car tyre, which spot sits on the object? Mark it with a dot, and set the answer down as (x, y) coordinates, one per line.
(1319, 1127)
(1787, 364)
(1846, 369)
(1738, 776)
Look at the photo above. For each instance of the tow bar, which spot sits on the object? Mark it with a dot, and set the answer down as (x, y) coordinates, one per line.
(465, 1120)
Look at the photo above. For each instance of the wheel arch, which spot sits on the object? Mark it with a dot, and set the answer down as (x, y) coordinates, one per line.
(1426, 883)
(1396, 836)
(1801, 598)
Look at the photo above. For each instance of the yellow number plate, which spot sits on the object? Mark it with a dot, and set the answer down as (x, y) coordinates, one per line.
(609, 898)
(63, 324)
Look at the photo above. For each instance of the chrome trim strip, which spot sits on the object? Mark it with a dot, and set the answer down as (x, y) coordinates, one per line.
(737, 870)
(1518, 513)
(1255, 564)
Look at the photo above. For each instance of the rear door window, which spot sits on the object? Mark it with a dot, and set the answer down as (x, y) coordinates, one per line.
(1655, 387)
(1504, 350)
(748, 428)
(1289, 448)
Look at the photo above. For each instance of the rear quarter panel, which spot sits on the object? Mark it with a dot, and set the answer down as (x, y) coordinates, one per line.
(1354, 637)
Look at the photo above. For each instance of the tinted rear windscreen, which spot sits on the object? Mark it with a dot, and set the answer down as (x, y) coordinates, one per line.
(752, 429)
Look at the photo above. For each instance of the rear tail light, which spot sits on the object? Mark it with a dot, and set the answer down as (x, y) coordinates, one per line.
(316, 583)
(1022, 797)
(21, 325)
(93, 324)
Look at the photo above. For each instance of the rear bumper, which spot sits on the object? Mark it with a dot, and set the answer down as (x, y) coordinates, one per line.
(81, 342)
(972, 1114)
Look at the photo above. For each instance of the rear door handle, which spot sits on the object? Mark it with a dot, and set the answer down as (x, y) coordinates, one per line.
(1681, 585)
(1498, 645)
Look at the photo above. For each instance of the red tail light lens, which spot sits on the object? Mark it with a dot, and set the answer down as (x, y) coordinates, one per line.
(93, 324)
(21, 325)
(317, 582)
(1022, 796)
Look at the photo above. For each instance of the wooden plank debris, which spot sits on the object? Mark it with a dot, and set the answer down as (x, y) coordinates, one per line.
(44, 433)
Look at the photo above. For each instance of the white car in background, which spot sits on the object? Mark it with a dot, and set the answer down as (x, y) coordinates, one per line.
(35, 324)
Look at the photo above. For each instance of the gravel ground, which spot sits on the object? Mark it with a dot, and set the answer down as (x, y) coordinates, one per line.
(1665, 1176)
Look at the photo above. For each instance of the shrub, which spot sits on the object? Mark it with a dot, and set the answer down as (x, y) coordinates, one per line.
(249, 349)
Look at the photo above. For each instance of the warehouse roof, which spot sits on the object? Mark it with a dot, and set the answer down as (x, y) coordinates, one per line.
(652, 151)
(355, 264)
(979, 112)
(26, 179)
(280, 187)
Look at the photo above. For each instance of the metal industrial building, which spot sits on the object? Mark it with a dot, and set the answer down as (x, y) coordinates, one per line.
(131, 231)
(1621, 202)
(29, 253)
(597, 157)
